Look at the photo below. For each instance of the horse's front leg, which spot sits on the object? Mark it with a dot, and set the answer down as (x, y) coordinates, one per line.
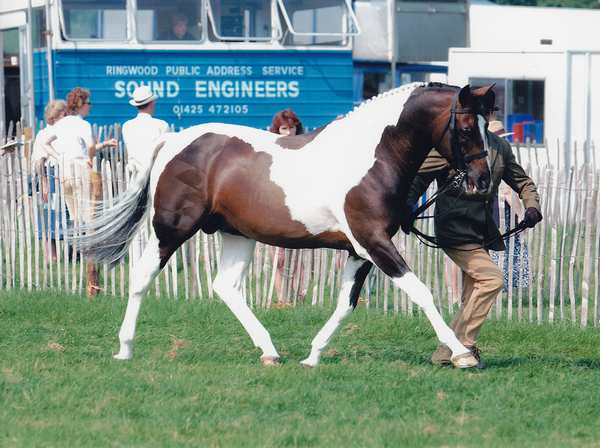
(354, 275)
(385, 255)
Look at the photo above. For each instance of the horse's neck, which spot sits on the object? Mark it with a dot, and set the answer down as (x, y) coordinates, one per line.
(401, 151)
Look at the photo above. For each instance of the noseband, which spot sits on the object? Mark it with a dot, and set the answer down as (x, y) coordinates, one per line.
(459, 159)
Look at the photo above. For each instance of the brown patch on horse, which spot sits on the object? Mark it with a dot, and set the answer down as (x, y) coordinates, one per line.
(298, 141)
(222, 183)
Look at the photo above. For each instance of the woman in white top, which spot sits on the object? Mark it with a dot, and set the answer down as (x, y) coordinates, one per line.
(73, 144)
(54, 111)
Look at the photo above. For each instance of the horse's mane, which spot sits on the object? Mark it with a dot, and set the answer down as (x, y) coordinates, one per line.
(414, 87)
(406, 88)
(441, 85)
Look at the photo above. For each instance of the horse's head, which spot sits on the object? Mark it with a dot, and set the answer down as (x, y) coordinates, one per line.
(462, 134)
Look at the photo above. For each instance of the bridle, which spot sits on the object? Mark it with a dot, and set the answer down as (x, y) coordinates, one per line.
(459, 159)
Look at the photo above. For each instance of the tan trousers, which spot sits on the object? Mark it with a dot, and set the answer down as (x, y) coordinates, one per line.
(482, 280)
(69, 193)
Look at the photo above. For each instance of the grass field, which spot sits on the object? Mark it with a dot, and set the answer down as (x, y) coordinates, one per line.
(196, 381)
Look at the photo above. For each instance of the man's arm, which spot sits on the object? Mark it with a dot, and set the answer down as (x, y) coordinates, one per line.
(516, 178)
(431, 168)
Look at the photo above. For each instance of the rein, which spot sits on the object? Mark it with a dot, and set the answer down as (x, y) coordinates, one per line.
(431, 241)
(460, 160)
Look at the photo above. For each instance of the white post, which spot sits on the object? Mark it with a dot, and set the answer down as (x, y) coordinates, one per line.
(29, 87)
(49, 52)
(392, 39)
(2, 99)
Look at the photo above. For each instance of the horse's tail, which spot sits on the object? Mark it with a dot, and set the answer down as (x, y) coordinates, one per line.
(110, 228)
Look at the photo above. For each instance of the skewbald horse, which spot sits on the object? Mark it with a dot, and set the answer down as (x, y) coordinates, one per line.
(339, 187)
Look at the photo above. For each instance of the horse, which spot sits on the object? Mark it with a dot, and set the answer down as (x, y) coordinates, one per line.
(338, 187)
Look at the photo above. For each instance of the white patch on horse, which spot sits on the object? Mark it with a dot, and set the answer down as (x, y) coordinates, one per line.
(481, 121)
(316, 178)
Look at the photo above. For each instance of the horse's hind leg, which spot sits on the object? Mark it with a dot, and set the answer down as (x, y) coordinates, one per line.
(235, 257)
(144, 271)
(355, 273)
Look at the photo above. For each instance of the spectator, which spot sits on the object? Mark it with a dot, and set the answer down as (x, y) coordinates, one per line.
(179, 29)
(514, 209)
(286, 122)
(73, 145)
(139, 135)
(141, 131)
(54, 111)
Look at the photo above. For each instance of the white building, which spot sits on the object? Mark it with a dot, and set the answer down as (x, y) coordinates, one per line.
(546, 66)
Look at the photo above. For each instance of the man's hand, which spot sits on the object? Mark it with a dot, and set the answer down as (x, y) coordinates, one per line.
(532, 217)
(112, 142)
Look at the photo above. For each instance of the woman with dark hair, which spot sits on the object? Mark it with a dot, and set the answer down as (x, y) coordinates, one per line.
(286, 122)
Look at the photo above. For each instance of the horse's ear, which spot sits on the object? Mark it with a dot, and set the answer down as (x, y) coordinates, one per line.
(488, 97)
(465, 97)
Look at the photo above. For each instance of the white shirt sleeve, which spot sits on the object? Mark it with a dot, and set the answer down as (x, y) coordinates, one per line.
(164, 127)
(86, 134)
(39, 152)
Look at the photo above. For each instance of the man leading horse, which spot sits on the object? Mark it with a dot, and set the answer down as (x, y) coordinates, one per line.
(466, 231)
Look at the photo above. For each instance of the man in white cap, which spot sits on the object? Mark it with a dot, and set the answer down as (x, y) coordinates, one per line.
(140, 132)
(139, 135)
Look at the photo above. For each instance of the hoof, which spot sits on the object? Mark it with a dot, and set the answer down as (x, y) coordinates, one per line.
(269, 361)
(123, 356)
(464, 361)
(308, 364)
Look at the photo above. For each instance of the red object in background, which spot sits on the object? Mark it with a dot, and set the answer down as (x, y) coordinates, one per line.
(518, 132)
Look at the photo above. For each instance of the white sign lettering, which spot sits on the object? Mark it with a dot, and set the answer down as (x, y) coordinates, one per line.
(246, 89)
(161, 88)
(131, 70)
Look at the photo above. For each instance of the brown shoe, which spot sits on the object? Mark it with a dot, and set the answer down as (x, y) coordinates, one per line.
(92, 290)
(477, 355)
(442, 356)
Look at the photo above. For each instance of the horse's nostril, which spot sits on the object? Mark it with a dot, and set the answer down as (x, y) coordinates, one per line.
(484, 181)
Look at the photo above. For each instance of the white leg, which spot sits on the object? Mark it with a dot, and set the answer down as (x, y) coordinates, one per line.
(420, 294)
(144, 271)
(342, 310)
(236, 254)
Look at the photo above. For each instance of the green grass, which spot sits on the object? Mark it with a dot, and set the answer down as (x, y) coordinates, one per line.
(196, 381)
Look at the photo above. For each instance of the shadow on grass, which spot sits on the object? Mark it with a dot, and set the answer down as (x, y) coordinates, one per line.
(491, 362)
(588, 363)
